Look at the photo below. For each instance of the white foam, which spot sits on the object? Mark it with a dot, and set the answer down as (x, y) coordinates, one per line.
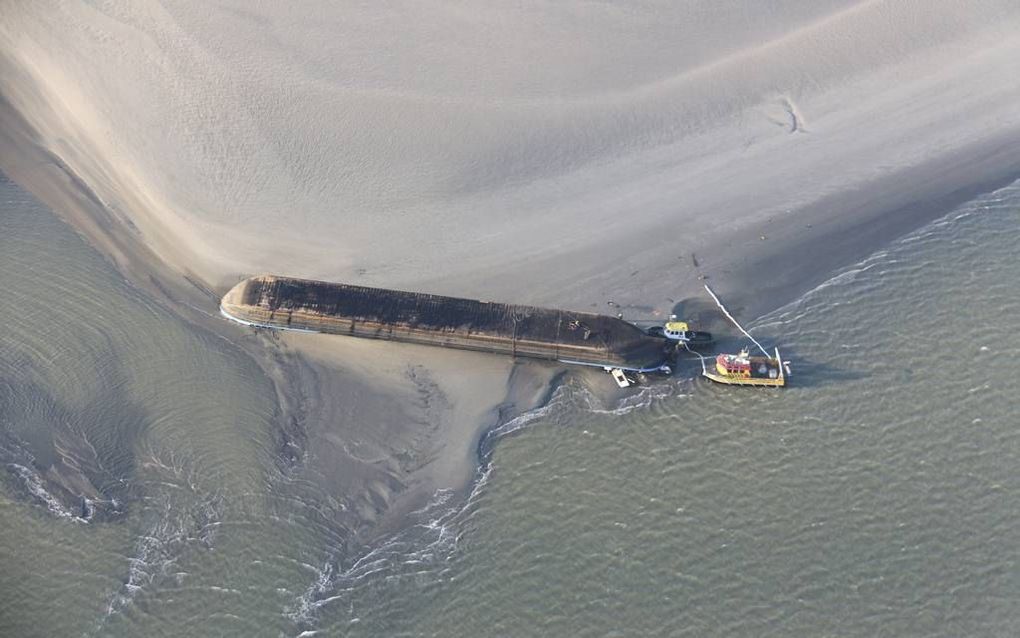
(34, 484)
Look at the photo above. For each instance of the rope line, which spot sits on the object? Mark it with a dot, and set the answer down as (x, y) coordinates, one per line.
(730, 317)
(700, 356)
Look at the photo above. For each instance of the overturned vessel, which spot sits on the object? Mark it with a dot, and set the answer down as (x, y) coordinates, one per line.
(580, 338)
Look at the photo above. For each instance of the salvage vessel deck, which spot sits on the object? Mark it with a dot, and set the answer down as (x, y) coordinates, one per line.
(376, 313)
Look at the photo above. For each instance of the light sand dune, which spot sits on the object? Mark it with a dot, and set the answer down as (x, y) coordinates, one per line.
(453, 148)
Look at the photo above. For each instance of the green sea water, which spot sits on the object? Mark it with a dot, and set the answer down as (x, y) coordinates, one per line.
(877, 495)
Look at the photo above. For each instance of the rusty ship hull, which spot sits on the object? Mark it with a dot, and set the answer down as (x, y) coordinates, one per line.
(520, 331)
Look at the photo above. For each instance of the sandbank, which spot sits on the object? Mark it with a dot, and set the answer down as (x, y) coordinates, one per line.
(591, 158)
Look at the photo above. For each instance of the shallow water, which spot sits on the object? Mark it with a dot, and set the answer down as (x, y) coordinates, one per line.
(876, 495)
(170, 429)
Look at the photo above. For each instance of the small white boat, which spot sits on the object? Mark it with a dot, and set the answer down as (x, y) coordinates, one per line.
(621, 379)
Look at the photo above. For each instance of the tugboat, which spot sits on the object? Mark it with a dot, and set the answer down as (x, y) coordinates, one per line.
(744, 369)
(679, 331)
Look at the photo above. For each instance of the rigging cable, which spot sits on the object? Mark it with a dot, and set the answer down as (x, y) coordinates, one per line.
(730, 317)
(700, 356)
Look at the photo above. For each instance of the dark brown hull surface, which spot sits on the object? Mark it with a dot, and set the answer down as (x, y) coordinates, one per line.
(376, 313)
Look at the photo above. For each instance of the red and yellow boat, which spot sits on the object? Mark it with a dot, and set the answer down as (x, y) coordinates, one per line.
(744, 369)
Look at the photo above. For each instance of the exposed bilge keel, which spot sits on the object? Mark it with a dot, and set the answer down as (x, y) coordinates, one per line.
(576, 338)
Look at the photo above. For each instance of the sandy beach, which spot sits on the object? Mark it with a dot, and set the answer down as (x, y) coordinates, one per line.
(611, 156)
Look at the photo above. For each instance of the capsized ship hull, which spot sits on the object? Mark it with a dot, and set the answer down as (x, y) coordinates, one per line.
(525, 331)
